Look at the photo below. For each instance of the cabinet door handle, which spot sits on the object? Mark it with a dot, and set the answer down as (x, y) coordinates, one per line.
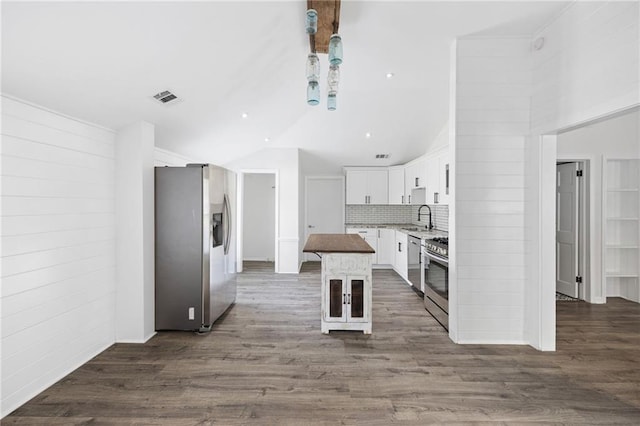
(402, 198)
(436, 198)
(409, 200)
(447, 179)
(344, 299)
(348, 299)
(400, 247)
(417, 182)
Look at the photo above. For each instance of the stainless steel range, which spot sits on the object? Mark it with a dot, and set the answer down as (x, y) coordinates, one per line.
(435, 278)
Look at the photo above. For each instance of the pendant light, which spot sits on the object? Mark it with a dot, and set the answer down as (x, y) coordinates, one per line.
(335, 50)
(333, 79)
(313, 67)
(313, 93)
(313, 76)
(312, 21)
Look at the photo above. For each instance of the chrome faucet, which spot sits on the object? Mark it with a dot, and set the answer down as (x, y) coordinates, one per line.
(430, 226)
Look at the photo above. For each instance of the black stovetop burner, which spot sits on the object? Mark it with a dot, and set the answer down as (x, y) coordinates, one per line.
(438, 245)
(442, 240)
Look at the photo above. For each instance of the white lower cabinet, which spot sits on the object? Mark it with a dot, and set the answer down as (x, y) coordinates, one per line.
(401, 257)
(386, 244)
(346, 292)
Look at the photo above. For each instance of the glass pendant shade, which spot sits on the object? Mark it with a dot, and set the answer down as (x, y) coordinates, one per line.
(313, 93)
(333, 79)
(335, 50)
(332, 102)
(312, 21)
(313, 67)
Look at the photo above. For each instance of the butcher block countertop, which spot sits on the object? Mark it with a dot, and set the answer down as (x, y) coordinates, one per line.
(336, 243)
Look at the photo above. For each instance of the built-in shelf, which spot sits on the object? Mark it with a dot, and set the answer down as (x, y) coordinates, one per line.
(621, 208)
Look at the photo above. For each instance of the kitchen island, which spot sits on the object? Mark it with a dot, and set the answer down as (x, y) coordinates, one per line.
(346, 281)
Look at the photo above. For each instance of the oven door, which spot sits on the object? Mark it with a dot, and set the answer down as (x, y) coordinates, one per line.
(435, 272)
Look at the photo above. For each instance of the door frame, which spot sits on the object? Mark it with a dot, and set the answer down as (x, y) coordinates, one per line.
(585, 226)
(307, 179)
(240, 217)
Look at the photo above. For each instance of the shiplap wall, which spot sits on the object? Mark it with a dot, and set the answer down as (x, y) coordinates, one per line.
(58, 256)
(492, 121)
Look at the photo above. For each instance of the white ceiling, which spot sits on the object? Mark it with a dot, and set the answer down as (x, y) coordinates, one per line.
(103, 61)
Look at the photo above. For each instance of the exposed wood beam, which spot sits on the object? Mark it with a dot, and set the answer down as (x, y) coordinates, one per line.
(328, 23)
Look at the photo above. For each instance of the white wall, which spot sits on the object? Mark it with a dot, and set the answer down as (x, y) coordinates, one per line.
(618, 137)
(588, 68)
(259, 221)
(58, 247)
(135, 231)
(286, 162)
(492, 121)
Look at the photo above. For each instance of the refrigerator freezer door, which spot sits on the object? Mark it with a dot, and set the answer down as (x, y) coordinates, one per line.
(179, 256)
(222, 287)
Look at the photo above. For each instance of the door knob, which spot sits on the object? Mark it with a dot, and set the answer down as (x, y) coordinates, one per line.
(311, 226)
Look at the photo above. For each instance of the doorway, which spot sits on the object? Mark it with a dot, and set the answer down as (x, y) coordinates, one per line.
(324, 207)
(259, 219)
(572, 179)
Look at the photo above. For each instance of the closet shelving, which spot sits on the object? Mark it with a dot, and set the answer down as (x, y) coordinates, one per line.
(621, 231)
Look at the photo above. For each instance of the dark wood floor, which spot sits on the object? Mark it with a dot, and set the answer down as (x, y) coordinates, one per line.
(266, 362)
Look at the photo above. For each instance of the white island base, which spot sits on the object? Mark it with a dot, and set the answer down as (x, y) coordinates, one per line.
(346, 292)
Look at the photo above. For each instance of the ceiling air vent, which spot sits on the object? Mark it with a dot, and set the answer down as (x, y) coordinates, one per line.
(165, 97)
(379, 156)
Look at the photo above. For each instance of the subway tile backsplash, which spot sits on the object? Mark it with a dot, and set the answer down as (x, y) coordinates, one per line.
(384, 214)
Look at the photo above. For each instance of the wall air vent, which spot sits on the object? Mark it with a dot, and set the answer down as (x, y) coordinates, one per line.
(379, 156)
(166, 97)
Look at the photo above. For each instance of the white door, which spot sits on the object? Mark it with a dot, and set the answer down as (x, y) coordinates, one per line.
(324, 209)
(567, 229)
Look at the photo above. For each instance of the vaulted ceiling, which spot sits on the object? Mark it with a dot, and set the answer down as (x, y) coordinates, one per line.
(103, 62)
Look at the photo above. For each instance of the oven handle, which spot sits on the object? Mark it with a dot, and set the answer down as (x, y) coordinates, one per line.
(432, 256)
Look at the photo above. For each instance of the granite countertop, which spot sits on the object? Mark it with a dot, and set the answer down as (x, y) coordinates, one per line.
(408, 228)
(336, 243)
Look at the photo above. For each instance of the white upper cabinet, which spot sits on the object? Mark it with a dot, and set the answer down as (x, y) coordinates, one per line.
(396, 185)
(367, 186)
(444, 177)
(415, 181)
(423, 180)
(438, 178)
(415, 176)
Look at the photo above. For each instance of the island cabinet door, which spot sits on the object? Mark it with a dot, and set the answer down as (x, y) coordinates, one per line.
(357, 301)
(336, 299)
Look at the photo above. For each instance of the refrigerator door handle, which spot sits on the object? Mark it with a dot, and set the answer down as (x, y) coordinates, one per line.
(227, 230)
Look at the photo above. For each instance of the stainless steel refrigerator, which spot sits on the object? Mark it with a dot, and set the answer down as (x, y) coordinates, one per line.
(195, 247)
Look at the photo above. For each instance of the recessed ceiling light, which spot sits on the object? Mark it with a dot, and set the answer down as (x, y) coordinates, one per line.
(390, 75)
(267, 139)
(367, 135)
(245, 115)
